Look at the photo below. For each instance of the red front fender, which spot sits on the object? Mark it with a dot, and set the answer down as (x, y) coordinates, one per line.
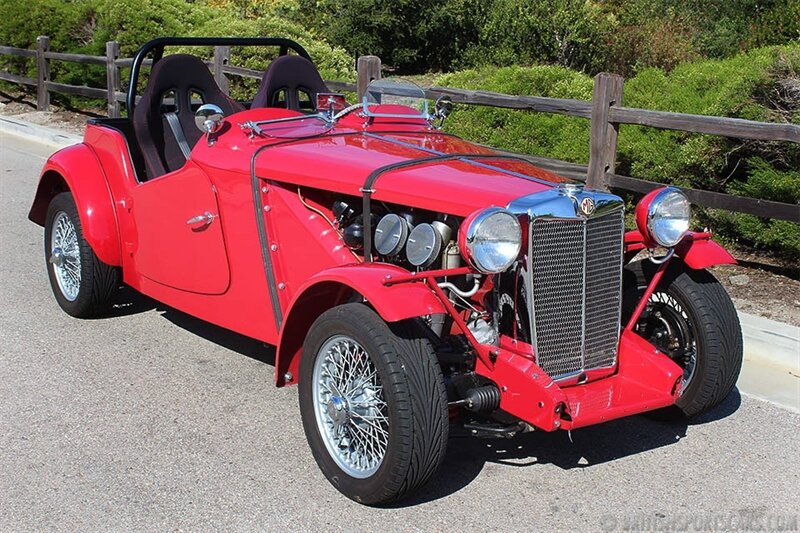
(77, 169)
(336, 286)
(697, 250)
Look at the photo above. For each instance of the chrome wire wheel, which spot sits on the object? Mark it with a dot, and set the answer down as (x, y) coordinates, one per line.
(65, 256)
(349, 406)
(672, 333)
(667, 326)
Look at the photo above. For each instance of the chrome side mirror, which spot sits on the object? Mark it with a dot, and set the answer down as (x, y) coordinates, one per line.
(209, 119)
(443, 108)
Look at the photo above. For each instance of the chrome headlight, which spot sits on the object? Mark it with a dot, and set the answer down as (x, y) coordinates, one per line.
(491, 240)
(668, 215)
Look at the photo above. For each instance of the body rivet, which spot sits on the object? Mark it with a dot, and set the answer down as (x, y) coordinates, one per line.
(281, 286)
(274, 247)
(288, 376)
(267, 208)
(264, 189)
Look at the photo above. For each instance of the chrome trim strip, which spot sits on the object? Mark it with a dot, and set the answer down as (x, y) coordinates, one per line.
(583, 298)
(262, 238)
(562, 202)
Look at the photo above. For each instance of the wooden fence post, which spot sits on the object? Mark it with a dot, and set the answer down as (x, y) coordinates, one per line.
(603, 140)
(112, 78)
(43, 73)
(369, 68)
(222, 56)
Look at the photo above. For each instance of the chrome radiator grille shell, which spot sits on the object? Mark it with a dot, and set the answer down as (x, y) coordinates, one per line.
(573, 279)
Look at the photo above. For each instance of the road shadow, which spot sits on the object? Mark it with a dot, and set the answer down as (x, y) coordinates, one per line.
(792, 272)
(584, 448)
(235, 342)
(130, 302)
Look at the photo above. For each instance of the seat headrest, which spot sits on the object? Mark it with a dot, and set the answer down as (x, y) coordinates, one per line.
(289, 73)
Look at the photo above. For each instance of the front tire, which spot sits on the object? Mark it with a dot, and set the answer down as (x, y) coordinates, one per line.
(373, 404)
(83, 285)
(692, 320)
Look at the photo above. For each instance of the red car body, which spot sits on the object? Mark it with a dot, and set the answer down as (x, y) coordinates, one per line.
(218, 273)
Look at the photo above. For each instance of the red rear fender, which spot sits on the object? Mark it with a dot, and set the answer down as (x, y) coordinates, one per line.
(338, 285)
(76, 169)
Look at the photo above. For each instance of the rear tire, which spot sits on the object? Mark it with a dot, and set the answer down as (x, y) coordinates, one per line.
(385, 434)
(691, 318)
(83, 285)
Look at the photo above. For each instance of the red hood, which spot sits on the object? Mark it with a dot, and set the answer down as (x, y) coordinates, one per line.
(343, 159)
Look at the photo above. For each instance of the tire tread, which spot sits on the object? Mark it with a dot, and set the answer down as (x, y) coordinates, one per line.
(414, 379)
(717, 332)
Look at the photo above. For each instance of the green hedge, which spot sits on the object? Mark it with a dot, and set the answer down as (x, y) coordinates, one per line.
(624, 36)
(84, 26)
(759, 85)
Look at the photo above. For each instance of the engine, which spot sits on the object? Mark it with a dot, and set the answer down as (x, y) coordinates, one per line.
(412, 238)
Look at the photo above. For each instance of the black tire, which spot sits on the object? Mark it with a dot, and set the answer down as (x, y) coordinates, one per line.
(415, 396)
(98, 284)
(694, 298)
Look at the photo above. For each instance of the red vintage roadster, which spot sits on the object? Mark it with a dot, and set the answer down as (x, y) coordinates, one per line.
(411, 281)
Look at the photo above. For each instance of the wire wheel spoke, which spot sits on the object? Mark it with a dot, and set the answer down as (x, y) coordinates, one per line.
(676, 325)
(351, 411)
(65, 256)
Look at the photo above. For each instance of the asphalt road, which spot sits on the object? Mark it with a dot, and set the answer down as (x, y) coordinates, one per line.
(152, 420)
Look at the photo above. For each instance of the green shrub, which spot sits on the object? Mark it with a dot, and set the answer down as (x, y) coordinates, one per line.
(67, 23)
(410, 36)
(561, 32)
(84, 26)
(134, 22)
(333, 63)
(70, 26)
(520, 131)
(756, 85)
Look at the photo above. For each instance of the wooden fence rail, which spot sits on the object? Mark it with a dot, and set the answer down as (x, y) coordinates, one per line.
(605, 112)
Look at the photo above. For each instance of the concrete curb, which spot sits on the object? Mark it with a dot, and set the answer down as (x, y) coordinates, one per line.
(771, 369)
(773, 343)
(35, 132)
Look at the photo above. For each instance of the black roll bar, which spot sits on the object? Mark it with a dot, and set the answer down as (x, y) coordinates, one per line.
(157, 47)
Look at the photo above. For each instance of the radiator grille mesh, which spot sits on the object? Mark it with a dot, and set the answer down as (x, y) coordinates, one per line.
(576, 269)
(603, 288)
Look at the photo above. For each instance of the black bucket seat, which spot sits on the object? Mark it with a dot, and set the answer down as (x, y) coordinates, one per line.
(166, 138)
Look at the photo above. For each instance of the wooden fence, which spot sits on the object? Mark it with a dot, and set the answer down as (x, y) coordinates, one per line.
(605, 112)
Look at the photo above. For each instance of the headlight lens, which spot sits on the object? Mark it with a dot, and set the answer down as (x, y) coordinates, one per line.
(492, 240)
(668, 217)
